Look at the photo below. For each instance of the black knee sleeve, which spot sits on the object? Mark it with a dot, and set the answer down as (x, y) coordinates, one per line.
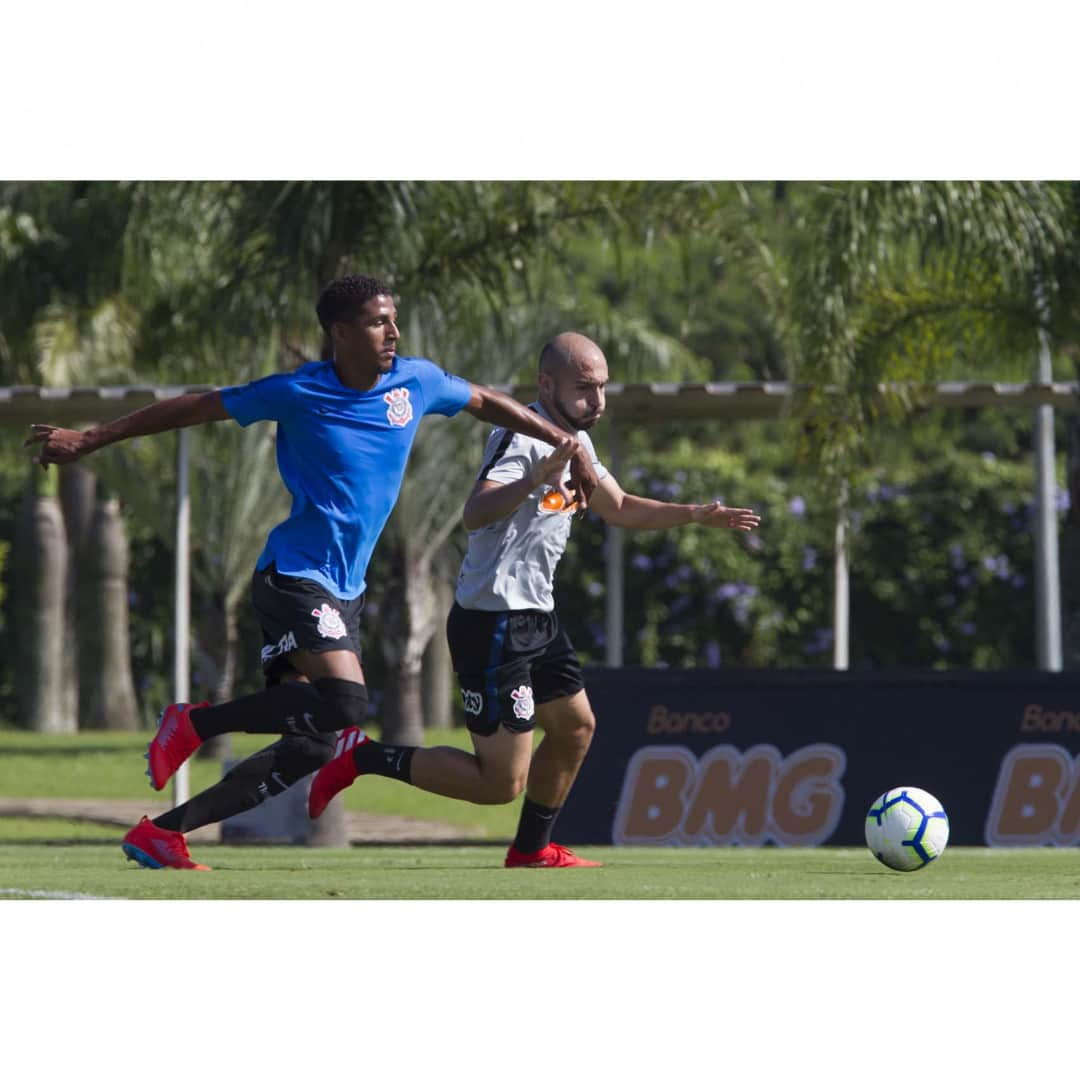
(346, 703)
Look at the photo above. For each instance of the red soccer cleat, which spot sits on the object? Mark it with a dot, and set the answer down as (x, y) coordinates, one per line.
(173, 744)
(337, 774)
(156, 848)
(552, 855)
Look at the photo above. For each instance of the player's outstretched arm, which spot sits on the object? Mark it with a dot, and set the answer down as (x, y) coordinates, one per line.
(61, 446)
(633, 512)
(495, 407)
(492, 501)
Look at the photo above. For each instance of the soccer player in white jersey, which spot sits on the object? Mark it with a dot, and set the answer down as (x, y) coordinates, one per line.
(516, 667)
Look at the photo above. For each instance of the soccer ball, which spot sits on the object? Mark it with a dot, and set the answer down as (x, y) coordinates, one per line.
(906, 828)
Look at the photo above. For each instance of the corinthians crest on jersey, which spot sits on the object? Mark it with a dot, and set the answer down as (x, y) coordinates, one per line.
(398, 407)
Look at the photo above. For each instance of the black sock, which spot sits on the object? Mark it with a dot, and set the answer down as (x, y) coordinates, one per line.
(278, 710)
(267, 772)
(379, 759)
(534, 826)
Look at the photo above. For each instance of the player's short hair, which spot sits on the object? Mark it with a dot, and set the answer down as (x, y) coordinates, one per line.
(552, 358)
(343, 298)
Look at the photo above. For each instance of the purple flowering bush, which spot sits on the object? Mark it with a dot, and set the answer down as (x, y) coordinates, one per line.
(941, 559)
(706, 597)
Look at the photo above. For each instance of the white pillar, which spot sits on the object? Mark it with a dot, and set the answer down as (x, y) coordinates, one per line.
(841, 596)
(181, 599)
(1047, 576)
(613, 571)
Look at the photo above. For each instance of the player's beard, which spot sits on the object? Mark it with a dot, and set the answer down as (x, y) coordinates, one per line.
(575, 424)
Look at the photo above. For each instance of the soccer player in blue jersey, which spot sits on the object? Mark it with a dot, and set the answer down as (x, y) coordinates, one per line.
(345, 429)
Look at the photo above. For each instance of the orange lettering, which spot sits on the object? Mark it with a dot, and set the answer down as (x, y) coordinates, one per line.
(1026, 802)
(809, 797)
(752, 797)
(657, 724)
(651, 806)
(1068, 831)
(663, 722)
(1038, 719)
(1031, 718)
(732, 797)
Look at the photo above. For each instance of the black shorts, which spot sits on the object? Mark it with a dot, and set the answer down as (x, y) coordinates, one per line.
(296, 613)
(507, 662)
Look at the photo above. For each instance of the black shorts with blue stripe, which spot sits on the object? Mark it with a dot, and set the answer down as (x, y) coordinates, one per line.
(507, 662)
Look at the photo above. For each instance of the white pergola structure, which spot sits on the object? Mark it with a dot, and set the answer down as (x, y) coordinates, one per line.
(631, 404)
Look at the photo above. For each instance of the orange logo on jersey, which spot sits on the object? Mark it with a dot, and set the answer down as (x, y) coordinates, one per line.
(554, 503)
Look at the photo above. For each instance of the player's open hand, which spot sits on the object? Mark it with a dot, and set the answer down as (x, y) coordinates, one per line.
(547, 472)
(714, 516)
(59, 446)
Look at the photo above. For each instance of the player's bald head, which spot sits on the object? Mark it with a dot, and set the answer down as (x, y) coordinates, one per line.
(572, 378)
(569, 350)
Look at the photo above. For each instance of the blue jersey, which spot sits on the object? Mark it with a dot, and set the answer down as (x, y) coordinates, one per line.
(342, 454)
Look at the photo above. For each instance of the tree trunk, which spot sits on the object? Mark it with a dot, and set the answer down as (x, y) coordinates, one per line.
(437, 672)
(329, 830)
(78, 491)
(226, 637)
(106, 688)
(403, 713)
(407, 623)
(39, 564)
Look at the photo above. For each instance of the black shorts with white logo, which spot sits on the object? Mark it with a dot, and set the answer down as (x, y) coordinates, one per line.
(297, 613)
(507, 662)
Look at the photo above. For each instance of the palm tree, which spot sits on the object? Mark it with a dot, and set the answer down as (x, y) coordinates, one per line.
(904, 282)
(61, 324)
(883, 282)
(39, 558)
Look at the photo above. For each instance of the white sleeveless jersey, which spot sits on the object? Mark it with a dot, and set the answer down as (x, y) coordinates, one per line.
(510, 564)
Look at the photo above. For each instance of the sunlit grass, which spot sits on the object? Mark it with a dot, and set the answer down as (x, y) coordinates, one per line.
(476, 873)
(110, 765)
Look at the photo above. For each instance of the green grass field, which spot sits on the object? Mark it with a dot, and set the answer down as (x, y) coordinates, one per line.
(58, 857)
(474, 873)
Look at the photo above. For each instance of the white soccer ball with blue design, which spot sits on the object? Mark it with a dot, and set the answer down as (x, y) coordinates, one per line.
(907, 828)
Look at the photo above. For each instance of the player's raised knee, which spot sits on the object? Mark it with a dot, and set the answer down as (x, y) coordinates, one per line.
(344, 704)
